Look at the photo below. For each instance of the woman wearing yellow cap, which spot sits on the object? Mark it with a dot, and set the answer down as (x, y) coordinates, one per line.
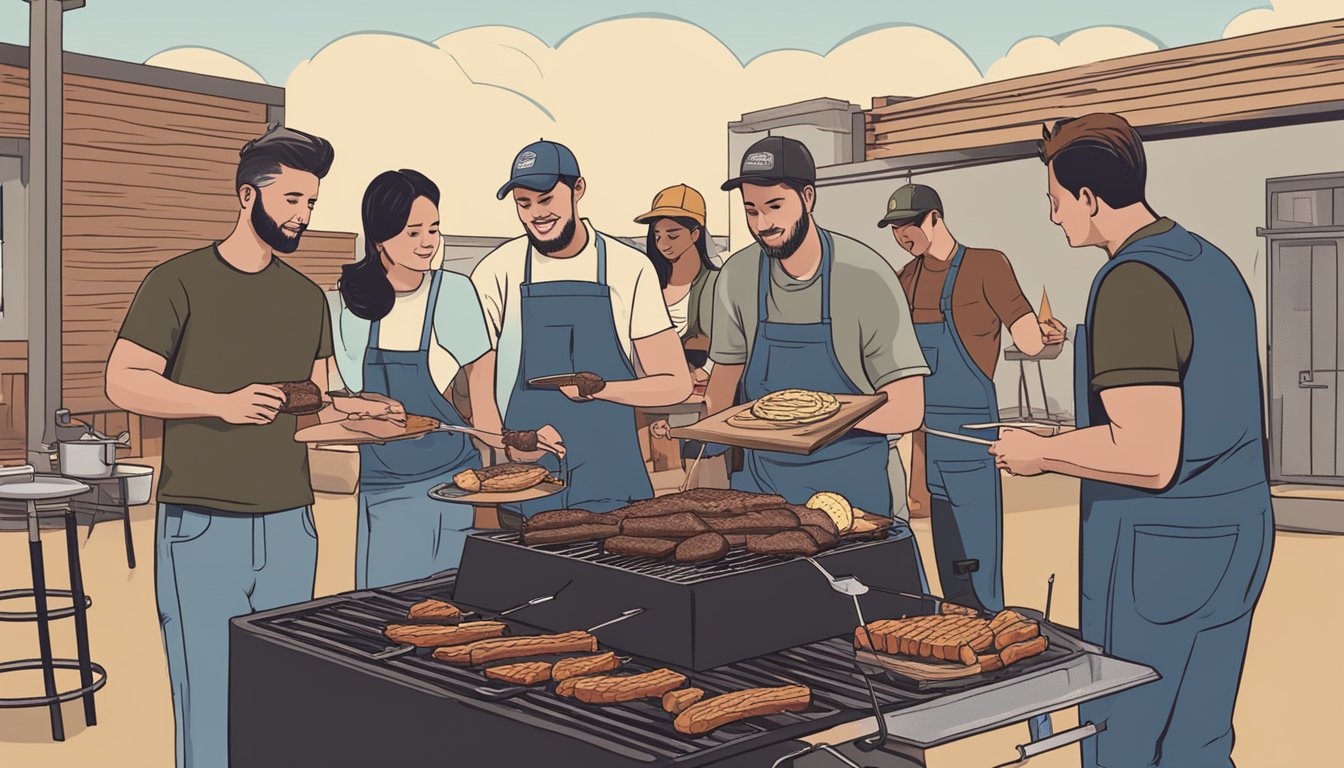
(678, 247)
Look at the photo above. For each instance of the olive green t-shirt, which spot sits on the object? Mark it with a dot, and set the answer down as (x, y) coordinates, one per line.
(221, 329)
(1141, 332)
(874, 339)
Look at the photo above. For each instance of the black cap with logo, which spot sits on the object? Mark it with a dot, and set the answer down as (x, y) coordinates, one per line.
(775, 159)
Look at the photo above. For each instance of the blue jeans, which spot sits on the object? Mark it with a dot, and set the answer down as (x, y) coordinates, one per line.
(209, 567)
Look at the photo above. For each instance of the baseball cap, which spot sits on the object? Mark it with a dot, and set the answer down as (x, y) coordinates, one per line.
(539, 166)
(680, 201)
(772, 160)
(909, 203)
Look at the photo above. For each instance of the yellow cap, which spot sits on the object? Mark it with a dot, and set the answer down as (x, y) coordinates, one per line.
(680, 201)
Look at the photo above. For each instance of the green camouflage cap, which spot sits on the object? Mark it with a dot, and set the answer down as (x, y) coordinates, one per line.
(909, 203)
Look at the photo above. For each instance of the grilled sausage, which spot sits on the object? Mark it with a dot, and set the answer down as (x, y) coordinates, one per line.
(676, 702)
(520, 440)
(990, 662)
(1005, 618)
(502, 648)
(436, 611)
(566, 687)
(682, 525)
(701, 549)
(591, 532)
(640, 547)
(716, 712)
(436, 635)
(1016, 633)
(583, 666)
(454, 654)
(522, 673)
(614, 689)
(1025, 650)
(566, 518)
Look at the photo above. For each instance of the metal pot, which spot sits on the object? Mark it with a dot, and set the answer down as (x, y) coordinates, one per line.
(87, 458)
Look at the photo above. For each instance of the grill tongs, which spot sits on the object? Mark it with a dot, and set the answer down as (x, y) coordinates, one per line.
(852, 588)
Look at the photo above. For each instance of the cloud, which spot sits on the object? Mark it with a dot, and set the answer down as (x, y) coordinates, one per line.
(1284, 13)
(205, 62)
(643, 102)
(1043, 54)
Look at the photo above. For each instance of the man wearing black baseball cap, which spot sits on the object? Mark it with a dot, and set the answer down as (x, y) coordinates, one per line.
(960, 300)
(561, 283)
(811, 309)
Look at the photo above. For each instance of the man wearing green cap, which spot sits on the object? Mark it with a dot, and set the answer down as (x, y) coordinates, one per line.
(960, 298)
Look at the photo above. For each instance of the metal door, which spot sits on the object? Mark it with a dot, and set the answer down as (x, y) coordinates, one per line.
(1305, 360)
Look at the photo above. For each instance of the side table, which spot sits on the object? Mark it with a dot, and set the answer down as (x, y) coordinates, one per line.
(1013, 354)
(49, 496)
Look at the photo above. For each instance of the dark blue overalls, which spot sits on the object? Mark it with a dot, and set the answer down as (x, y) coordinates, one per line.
(566, 326)
(967, 514)
(1170, 578)
(802, 355)
(402, 533)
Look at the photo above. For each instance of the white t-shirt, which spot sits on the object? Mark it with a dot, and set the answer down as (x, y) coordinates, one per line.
(637, 305)
(458, 335)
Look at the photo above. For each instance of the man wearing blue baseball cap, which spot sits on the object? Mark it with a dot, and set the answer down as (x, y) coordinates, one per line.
(566, 299)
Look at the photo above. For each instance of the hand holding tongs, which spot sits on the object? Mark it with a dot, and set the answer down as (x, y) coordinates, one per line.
(402, 650)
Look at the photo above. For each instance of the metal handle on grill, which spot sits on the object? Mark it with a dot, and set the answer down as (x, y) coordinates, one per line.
(790, 758)
(1062, 739)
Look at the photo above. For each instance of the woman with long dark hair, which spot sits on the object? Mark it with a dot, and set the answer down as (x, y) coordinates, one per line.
(401, 330)
(678, 246)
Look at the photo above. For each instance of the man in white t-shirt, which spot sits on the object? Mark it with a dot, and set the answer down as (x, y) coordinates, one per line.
(565, 299)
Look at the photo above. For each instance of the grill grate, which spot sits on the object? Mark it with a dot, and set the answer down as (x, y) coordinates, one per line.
(350, 627)
(737, 560)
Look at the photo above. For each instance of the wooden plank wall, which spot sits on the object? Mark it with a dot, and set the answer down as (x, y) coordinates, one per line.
(13, 401)
(1239, 78)
(148, 176)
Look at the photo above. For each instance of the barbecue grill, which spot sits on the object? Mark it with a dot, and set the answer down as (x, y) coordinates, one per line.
(697, 616)
(306, 689)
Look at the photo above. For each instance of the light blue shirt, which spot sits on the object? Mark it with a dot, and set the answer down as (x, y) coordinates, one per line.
(458, 330)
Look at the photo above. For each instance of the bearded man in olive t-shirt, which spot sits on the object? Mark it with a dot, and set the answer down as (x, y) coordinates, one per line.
(204, 342)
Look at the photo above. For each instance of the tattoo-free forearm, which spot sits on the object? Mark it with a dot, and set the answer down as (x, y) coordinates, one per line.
(902, 413)
(481, 389)
(149, 393)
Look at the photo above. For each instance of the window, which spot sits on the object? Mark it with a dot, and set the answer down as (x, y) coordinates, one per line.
(1307, 208)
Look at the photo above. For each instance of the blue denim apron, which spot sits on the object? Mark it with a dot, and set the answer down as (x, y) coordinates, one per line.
(567, 327)
(402, 533)
(1170, 578)
(967, 510)
(802, 355)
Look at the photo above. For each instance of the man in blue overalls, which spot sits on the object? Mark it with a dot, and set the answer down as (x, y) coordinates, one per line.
(811, 309)
(567, 299)
(962, 349)
(1177, 528)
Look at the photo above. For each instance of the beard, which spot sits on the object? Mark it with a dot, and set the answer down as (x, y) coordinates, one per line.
(797, 233)
(558, 243)
(271, 233)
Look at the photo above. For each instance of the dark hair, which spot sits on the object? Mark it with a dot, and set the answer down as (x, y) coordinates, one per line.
(386, 209)
(260, 159)
(664, 267)
(1101, 152)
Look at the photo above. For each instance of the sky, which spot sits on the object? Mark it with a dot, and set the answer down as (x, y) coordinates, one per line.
(273, 38)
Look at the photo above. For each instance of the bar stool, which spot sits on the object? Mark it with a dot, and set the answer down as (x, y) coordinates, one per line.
(42, 497)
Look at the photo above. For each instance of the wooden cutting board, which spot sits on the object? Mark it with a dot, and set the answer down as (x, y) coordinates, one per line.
(339, 433)
(919, 670)
(801, 440)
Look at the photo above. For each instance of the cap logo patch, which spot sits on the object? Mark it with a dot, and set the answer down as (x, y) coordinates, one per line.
(525, 161)
(759, 161)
